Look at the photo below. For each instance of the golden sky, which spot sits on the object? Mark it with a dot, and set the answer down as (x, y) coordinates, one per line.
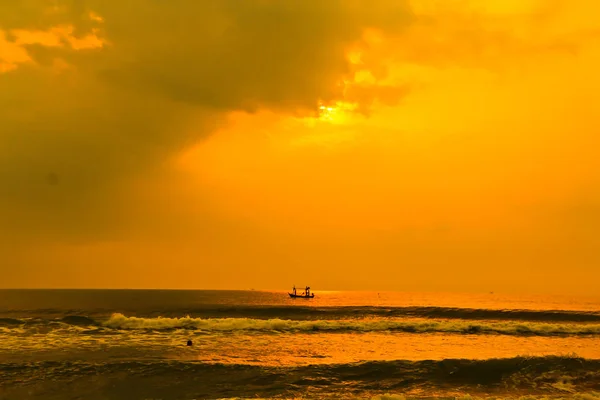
(375, 145)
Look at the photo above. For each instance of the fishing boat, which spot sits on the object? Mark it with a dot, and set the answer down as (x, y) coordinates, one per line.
(304, 295)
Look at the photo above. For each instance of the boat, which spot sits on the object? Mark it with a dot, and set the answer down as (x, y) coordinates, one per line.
(301, 296)
(305, 295)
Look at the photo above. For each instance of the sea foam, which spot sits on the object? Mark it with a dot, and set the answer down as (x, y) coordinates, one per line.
(120, 321)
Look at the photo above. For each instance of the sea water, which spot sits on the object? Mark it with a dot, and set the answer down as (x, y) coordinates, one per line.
(131, 344)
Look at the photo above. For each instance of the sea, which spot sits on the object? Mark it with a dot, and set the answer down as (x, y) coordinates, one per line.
(133, 344)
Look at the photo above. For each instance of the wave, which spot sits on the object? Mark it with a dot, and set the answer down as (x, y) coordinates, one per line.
(535, 375)
(396, 312)
(120, 321)
(336, 312)
(10, 321)
(344, 312)
(79, 321)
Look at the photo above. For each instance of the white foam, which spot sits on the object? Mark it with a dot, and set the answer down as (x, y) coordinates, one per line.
(120, 321)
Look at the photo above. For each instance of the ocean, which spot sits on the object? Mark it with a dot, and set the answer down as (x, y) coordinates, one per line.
(132, 344)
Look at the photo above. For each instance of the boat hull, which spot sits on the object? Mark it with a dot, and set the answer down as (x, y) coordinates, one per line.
(301, 296)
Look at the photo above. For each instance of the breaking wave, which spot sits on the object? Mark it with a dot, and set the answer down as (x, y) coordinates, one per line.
(120, 321)
(370, 323)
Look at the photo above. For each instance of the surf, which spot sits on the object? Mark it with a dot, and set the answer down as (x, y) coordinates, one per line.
(120, 321)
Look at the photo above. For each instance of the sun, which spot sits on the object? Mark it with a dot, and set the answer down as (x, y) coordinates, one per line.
(335, 114)
(327, 113)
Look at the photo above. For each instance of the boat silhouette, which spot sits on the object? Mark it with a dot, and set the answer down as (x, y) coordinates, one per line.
(305, 295)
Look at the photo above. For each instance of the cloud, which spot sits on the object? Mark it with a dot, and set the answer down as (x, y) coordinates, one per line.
(493, 36)
(11, 54)
(97, 94)
(244, 55)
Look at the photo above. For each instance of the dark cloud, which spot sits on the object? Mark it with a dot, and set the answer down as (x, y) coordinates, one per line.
(72, 139)
(242, 55)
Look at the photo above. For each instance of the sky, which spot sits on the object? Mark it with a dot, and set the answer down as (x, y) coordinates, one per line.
(412, 145)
